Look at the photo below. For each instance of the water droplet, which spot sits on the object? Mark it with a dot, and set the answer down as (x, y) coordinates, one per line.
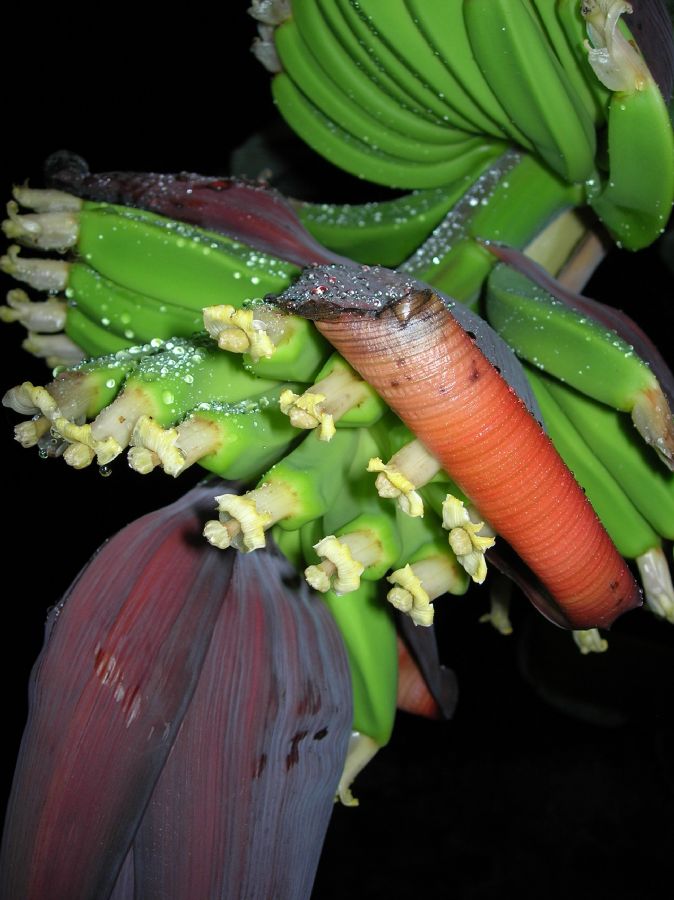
(104, 471)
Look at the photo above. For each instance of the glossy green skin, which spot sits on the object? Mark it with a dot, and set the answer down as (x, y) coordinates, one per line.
(521, 203)
(312, 79)
(399, 33)
(628, 529)
(444, 29)
(314, 472)
(531, 85)
(369, 634)
(576, 68)
(368, 411)
(559, 341)
(250, 441)
(322, 25)
(384, 233)
(94, 339)
(174, 262)
(349, 153)
(126, 313)
(635, 199)
(613, 439)
(177, 380)
(299, 357)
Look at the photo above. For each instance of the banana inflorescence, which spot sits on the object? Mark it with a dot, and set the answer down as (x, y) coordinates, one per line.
(492, 114)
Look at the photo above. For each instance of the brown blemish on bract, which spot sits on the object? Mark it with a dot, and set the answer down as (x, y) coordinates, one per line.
(261, 765)
(293, 756)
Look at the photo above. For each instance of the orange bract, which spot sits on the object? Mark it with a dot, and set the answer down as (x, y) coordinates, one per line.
(432, 374)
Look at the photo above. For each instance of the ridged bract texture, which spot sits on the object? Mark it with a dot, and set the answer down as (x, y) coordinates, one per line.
(188, 723)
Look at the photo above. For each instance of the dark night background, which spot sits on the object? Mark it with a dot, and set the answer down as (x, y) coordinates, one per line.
(556, 776)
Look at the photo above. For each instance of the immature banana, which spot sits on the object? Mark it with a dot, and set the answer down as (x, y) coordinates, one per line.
(577, 349)
(635, 200)
(516, 59)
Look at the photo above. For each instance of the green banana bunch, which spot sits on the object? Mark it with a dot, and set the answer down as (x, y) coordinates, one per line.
(587, 378)
(635, 198)
(522, 68)
(161, 383)
(136, 276)
(633, 498)
(402, 94)
(579, 351)
(365, 110)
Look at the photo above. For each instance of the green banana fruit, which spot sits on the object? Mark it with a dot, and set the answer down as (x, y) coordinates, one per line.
(92, 336)
(297, 490)
(572, 23)
(516, 59)
(339, 396)
(444, 30)
(311, 78)
(322, 24)
(629, 530)
(235, 441)
(126, 313)
(170, 261)
(395, 27)
(610, 436)
(164, 386)
(549, 15)
(581, 352)
(273, 345)
(386, 58)
(357, 157)
(635, 200)
(383, 233)
(510, 202)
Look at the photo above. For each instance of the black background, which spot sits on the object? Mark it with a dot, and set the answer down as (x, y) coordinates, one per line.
(560, 789)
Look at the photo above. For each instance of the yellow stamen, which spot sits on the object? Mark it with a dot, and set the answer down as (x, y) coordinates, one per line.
(142, 460)
(79, 456)
(106, 450)
(160, 442)
(464, 538)
(238, 331)
(341, 569)
(306, 411)
(391, 483)
(29, 433)
(408, 595)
